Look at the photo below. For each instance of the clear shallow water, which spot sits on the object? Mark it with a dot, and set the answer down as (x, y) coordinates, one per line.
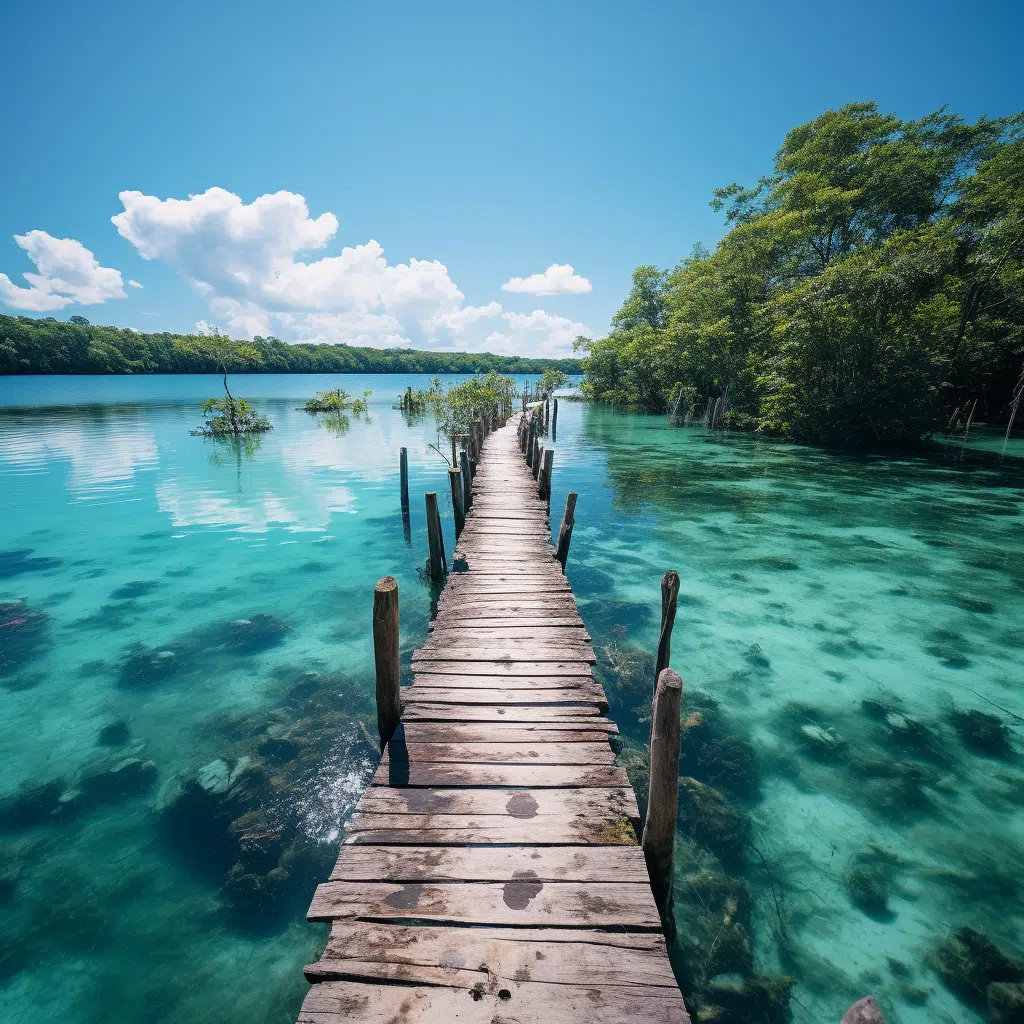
(840, 611)
(135, 550)
(898, 581)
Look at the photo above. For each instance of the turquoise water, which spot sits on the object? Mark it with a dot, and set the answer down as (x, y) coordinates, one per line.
(837, 618)
(189, 665)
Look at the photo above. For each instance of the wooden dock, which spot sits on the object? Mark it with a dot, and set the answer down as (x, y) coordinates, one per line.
(490, 873)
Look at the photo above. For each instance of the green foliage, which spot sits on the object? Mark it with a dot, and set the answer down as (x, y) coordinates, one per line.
(868, 290)
(29, 345)
(227, 417)
(552, 379)
(455, 408)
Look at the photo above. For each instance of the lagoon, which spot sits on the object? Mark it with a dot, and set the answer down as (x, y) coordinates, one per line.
(188, 603)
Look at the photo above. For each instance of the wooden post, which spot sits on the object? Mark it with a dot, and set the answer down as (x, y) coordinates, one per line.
(455, 454)
(660, 824)
(544, 485)
(554, 421)
(535, 465)
(565, 530)
(455, 480)
(467, 480)
(547, 412)
(669, 595)
(403, 472)
(531, 444)
(385, 655)
(437, 567)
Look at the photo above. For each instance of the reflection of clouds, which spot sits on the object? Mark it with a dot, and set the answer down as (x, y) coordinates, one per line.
(251, 513)
(100, 456)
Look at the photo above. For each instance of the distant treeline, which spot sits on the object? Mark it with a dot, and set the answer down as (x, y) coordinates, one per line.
(870, 290)
(32, 346)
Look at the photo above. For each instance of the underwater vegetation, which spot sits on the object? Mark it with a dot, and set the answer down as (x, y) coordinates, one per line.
(144, 666)
(259, 821)
(14, 563)
(23, 635)
(978, 972)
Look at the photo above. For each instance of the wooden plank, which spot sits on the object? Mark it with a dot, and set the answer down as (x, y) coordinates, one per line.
(548, 776)
(460, 958)
(454, 829)
(503, 696)
(422, 677)
(520, 901)
(424, 709)
(510, 627)
(516, 803)
(450, 732)
(562, 652)
(538, 751)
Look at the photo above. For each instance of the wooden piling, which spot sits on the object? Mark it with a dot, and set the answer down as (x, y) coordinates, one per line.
(554, 420)
(403, 473)
(531, 444)
(535, 465)
(663, 790)
(467, 480)
(385, 654)
(544, 481)
(565, 530)
(455, 481)
(437, 566)
(669, 595)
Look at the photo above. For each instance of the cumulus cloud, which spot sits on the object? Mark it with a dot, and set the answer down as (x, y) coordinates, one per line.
(558, 279)
(250, 262)
(67, 273)
(134, 284)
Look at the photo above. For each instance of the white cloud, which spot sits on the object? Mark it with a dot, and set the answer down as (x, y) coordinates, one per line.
(67, 273)
(134, 284)
(245, 259)
(558, 279)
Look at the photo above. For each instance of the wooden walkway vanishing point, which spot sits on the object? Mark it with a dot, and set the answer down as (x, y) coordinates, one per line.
(490, 873)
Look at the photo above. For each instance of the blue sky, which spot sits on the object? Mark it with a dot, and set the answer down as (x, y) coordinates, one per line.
(475, 143)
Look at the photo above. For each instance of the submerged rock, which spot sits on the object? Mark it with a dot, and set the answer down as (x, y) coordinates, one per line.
(970, 962)
(822, 742)
(113, 734)
(34, 803)
(143, 666)
(982, 732)
(711, 753)
(864, 1011)
(255, 634)
(108, 783)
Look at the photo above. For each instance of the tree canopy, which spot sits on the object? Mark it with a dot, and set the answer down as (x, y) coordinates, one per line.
(870, 290)
(32, 346)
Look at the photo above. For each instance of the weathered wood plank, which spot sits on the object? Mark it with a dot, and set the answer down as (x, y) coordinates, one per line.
(450, 732)
(560, 651)
(535, 752)
(331, 1002)
(506, 668)
(521, 714)
(515, 803)
(503, 696)
(462, 959)
(548, 776)
(520, 901)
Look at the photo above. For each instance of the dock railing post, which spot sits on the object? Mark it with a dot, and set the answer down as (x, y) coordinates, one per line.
(437, 567)
(531, 443)
(403, 474)
(467, 480)
(544, 485)
(455, 480)
(669, 596)
(660, 825)
(385, 655)
(565, 530)
(554, 420)
(535, 465)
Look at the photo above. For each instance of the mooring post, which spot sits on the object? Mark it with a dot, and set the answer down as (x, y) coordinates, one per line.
(455, 480)
(535, 466)
(467, 481)
(437, 567)
(403, 473)
(385, 655)
(547, 412)
(669, 596)
(531, 441)
(554, 420)
(663, 789)
(565, 530)
(544, 486)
